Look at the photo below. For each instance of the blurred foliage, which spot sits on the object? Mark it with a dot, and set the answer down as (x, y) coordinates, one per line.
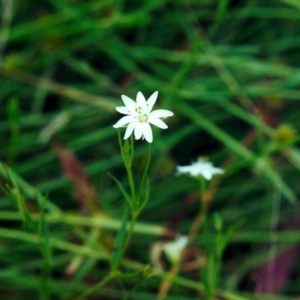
(228, 69)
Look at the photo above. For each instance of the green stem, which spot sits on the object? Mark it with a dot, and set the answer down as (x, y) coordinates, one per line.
(96, 221)
(200, 218)
(130, 230)
(127, 155)
(97, 286)
(125, 241)
(131, 150)
(131, 184)
(138, 283)
(202, 190)
(121, 146)
(145, 173)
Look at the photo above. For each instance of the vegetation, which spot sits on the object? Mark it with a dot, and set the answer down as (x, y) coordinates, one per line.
(229, 70)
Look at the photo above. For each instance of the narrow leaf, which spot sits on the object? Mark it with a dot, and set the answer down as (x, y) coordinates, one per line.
(122, 189)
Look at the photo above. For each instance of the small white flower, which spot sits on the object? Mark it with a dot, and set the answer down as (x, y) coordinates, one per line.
(174, 249)
(138, 116)
(200, 168)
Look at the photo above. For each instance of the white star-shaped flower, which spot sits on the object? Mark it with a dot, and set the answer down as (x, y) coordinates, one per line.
(139, 116)
(174, 249)
(200, 168)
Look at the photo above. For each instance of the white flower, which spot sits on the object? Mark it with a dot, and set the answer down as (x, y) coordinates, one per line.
(138, 116)
(200, 168)
(174, 249)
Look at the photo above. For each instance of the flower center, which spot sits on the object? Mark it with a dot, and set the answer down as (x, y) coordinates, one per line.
(142, 118)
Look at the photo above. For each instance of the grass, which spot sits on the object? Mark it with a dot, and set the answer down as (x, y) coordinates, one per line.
(229, 70)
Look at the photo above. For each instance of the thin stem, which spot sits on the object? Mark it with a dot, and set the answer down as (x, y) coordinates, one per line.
(145, 172)
(195, 227)
(138, 283)
(200, 218)
(131, 150)
(128, 166)
(202, 190)
(131, 185)
(101, 222)
(121, 147)
(125, 242)
(168, 281)
(97, 286)
(127, 159)
(130, 230)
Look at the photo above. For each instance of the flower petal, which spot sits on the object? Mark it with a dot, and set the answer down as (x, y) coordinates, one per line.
(161, 113)
(123, 110)
(139, 129)
(129, 129)
(183, 169)
(200, 168)
(151, 101)
(140, 99)
(123, 121)
(148, 133)
(130, 104)
(207, 174)
(157, 122)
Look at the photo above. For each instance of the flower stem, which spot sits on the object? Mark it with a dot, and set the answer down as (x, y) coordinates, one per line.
(167, 282)
(131, 184)
(202, 190)
(144, 177)
(130, 230)
(200, 218)
(127, 155)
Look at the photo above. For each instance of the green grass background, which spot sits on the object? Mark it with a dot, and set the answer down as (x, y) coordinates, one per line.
(230, 72)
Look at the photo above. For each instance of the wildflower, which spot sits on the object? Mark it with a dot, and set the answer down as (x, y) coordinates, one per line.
(200, 168)
(174, 249)
(139, 116)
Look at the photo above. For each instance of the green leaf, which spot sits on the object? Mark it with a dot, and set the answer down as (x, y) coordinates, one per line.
(218, 133)
(276, 179)
(26, 189)
(26, 216)
(43, 231)
(294, 3)
(123, 191)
